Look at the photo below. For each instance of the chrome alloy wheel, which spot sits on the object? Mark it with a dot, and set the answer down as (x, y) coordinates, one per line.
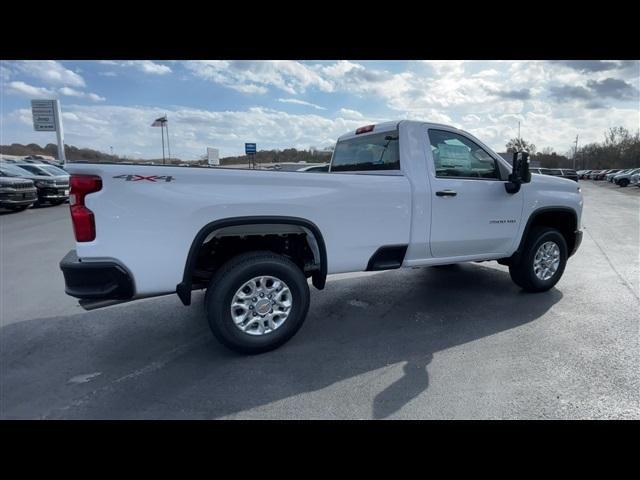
(546, 260)
(261, 305)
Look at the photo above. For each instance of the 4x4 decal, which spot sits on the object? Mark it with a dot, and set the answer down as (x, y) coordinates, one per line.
(150, 178)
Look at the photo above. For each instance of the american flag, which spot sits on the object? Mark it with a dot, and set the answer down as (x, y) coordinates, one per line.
(159, 122)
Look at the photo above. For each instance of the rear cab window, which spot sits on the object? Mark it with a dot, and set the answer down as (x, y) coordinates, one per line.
(372, 152)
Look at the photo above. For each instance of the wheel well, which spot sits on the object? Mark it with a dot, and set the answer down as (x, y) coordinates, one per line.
(565, 221)
(296, 239)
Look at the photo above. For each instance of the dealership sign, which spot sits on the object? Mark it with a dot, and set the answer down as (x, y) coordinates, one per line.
(47, 118)
(44, 115)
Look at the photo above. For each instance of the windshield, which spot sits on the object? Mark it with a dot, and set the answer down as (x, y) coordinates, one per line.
(369, 152)
(53, 170)
(14, 170)
(34, 170)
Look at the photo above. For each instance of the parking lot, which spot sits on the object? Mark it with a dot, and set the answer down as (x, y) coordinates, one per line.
(459, 342)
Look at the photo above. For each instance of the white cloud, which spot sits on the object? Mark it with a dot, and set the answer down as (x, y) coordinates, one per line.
(348, 113)
(145, 66)
(256, 76)
(301, 102)
(22, 88)
(249, 88)
(70, 92)
(50, 72)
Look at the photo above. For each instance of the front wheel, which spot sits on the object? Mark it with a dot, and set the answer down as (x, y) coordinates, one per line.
(624, 182)
(542, 262)
(256, 302)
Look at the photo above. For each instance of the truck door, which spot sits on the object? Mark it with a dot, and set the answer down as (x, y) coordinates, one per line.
(471, 212)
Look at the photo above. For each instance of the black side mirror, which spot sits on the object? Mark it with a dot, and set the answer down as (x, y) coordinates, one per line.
(520, 173)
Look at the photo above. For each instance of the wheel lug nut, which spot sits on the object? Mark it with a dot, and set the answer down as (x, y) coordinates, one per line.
(255, 314)
(254, 299)
(270, 295)
(250, 307)
(261, 294)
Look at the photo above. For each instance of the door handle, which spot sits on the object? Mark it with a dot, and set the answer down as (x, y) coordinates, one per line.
(446, 193)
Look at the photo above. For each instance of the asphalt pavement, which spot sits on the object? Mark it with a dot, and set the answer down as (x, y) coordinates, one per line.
(459, 342)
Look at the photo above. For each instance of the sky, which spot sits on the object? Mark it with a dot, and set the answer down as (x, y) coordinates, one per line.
(302, 104)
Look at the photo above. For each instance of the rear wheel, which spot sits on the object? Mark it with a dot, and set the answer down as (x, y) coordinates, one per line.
(256, 302)
(542, 262)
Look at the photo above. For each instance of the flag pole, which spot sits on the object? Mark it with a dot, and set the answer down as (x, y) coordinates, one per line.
(162, 133)
(166, 123)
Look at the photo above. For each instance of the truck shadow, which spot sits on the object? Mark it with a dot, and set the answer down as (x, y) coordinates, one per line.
(358, 327)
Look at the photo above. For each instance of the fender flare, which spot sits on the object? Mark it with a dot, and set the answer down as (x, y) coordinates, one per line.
(532, 217)
(319, 278)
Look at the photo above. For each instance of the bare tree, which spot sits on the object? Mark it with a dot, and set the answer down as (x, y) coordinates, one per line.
(520, 145)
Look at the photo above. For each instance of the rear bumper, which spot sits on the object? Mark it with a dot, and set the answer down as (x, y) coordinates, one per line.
(577, 243)
(101, 280)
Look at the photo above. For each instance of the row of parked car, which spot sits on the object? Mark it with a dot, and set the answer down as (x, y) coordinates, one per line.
(617, 176)
(557, 172)
(26, 182)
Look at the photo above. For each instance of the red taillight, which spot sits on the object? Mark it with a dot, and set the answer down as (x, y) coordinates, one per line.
(84, 225)
(368, 128)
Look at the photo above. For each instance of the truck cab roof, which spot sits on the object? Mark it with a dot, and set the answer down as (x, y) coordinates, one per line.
(394, 124)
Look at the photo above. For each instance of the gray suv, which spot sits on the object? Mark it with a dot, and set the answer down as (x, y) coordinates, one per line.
(16, 193)
(53, 186)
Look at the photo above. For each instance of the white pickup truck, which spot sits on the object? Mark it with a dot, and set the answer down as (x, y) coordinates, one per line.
(397, 194)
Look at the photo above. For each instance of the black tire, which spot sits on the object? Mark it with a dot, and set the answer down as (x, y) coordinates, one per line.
(20, 208)
(57, 202)
(624, 182)
(523, 273)
(231, 276)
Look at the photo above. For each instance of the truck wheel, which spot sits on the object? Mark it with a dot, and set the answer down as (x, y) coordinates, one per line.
(543, 259)
(256, 302)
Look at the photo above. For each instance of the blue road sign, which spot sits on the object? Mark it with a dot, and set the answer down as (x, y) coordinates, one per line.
(249, 148)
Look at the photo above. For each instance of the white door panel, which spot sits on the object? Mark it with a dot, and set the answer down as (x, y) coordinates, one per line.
(471, 211)
(482, 218)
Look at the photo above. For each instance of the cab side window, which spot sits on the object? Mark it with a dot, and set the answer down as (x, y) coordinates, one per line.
(457, 156)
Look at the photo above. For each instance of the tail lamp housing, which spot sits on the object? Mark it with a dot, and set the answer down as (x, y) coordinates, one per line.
(84, 225)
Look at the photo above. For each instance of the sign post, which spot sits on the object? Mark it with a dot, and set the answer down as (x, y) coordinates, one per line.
(47, 117)
(250, 149)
